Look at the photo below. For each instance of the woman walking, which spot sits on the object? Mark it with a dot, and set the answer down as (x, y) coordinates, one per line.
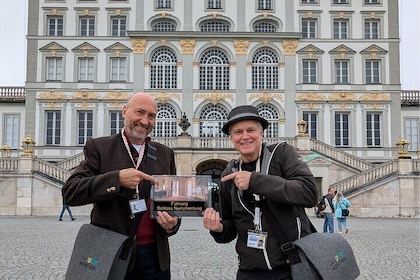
(341, 205)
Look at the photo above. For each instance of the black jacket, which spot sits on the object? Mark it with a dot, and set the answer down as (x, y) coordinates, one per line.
(288, 188)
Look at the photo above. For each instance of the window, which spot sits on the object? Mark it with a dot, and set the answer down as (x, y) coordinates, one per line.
(265, 71)
(412, 133)
(212, 119)
(215, 26)
(341, 129)
(340, 29)
(164, 26)
(311, 120)
(309, 71)
(265, 5)
(371, 29)
(270, 113)
(118, 26)
(55, 25)
(118, 69)
(309, 29)
(86, 69)
(309, 1)
(373, 129)
(116, 122)
(54, 69)
(11, 130)
(372, 1)
(214, 70)
(84, 126)
(163, 4)
(165, 125)
(340, 1)
(53, 127)
(214, 4)
(265, 27)
(163, 71)
(341, 71)
(372, 71)
(87, 26)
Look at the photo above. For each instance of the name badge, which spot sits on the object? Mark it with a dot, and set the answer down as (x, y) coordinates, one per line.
(256, 239)
(137, 206)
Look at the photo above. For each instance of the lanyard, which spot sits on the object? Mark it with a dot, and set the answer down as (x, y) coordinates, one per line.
(257, 211)
(139, 159)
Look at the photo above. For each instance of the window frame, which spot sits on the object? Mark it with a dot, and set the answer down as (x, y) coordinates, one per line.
(56, 132)
(11, 131)
(86, 129)
(56, 28)
(339, 132)
(373, 133)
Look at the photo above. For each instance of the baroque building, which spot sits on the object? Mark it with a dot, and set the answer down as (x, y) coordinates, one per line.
(334, 64)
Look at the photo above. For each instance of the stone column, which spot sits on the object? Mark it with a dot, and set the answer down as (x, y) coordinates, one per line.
(24, 187)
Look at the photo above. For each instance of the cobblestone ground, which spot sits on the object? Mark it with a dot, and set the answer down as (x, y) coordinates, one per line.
(40, 248)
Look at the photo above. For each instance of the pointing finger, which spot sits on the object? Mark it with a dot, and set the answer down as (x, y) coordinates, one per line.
(229, 177)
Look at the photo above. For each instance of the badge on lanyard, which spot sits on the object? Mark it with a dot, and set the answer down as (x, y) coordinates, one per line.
(257, 239)
(137, 206)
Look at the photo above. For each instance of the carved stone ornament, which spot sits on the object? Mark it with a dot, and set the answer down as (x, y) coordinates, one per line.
(117, 95)
(290, 46)
(375, 96)
(52, 95)
(187, 46)
(266, 97)
(139, 45)
(310, 96)
(163, 97)
(241, 46)
(342, 95)
(84, 94)
(214, 97)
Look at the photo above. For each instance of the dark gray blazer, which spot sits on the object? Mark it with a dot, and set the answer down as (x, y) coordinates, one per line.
(96, 180)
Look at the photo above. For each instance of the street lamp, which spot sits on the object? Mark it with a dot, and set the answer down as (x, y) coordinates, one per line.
(6, 151)
(402, 147)
(28, 145)
(302, 125)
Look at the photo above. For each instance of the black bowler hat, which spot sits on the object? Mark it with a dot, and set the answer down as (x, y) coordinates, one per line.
(242, 113)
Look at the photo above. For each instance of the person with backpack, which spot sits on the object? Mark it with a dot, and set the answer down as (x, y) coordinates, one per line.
(341, 204)
(263, 196)
(328, 212)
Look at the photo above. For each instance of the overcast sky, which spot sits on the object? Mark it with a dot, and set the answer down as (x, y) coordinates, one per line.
(13, 23)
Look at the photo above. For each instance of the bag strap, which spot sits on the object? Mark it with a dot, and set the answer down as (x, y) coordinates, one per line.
(149, 168)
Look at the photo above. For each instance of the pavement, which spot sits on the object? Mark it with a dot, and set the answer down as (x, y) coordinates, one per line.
(40, 248)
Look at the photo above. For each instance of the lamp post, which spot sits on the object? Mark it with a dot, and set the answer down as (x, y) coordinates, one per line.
(184, 124)
(6, 151)
(402, 147)
(302, 125)
(28, 145)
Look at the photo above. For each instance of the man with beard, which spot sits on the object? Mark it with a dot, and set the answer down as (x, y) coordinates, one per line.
(116, 174)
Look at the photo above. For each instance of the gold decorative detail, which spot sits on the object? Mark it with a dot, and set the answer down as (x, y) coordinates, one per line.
(163, 42)
(147, 64)
(116, 105)
(118, 11)
(52, 95)
(310, 55)
(179, 64)
(187, 46)
(54, 11)
(290, 47)
(373, 55)
(214, 15)
(241, 46)
(374, 106)
(232, 64)
(214, 42)
(309, 14)
(214, 97)
(163, 14)
(341, 14)
(372, 15)
(265, 97)
(117, 95)
(117, 53)
(342, 95)
(53, 53)
(310, 96)
(84, 94)
(163, 97)
(139, 45)
(196, 64)
(86, 11)
(265, 43)
(265, 15)
(282, 64)
(375, 96)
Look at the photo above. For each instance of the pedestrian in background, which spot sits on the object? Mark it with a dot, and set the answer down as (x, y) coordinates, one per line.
(341, 204)
(328, 212)
(64, 208)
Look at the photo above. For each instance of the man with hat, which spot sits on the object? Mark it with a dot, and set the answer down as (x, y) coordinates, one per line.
(263, 196)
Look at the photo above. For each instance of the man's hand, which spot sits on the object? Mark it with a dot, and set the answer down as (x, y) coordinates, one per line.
(166, 221)
(240, 178)
(130, 178)
(211, 220)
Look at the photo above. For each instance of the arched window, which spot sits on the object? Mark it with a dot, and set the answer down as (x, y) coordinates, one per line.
(165, 125)
(214, 70)
(263, 26)
(265, 69)
(215, 26)
(212, 119)
(271, 114)
(164, 26)
(163, 69)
